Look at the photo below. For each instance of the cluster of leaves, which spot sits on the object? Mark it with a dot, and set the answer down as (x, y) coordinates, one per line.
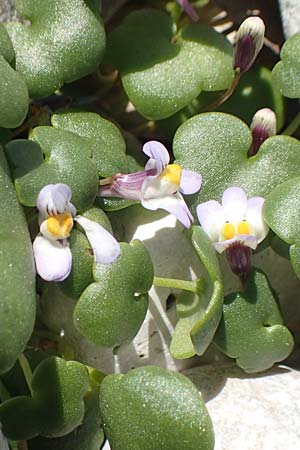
(169, 71)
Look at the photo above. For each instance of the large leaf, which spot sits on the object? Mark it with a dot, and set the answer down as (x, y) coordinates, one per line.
(216, 145)
(17, 287)
(75, 150)
(282, 212)
(56, 406)
(153, 62)
(286, 73)
(14, 98)
(111, 310)
(199, 314)
(251, 329)
(64, 41)
(152, 408)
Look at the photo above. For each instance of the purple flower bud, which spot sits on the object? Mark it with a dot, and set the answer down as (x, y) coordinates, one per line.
(263, 125)
(249, 41)
(239, 258)
(190, 11)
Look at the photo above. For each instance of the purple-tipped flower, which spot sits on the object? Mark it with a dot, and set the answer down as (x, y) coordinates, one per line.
(158, 186)
(53, 258)
(248, 43)
(236, 226)
(190, 11)
(263, 125)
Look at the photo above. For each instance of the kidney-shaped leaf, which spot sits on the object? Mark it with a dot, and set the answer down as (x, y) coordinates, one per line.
(152, 408)
(199, 314)
(56, 406)
(75, 150)
(286, 73)
(17, 286)
(282, 213)
(14, 98)
(64, 42)
(251, 329)
(161, 71)
(216, 145)
(111, 310)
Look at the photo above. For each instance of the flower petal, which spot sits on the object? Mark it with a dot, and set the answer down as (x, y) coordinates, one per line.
(53, 259)
(190, 182)
(54, 199)
(157, 152)
(190, 11)
(173, 204)
(105, 247)
(246, 239)
(234, 202)
(211, 218)
(255, 217)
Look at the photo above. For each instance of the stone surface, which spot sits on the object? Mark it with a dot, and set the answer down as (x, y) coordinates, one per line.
(7, 11)
(290, 16)
(251, 412)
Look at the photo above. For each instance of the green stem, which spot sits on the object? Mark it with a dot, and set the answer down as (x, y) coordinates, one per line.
(292, 127)
(26, 370)
(4, 394)
(192, 286)
(226, 94)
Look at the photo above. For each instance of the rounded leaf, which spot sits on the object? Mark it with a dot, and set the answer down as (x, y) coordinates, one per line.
(286, 73)
(152, 408)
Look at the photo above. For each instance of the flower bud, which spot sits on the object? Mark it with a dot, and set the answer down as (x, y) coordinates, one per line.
(263, 125)
(249, 41)
(190, 11)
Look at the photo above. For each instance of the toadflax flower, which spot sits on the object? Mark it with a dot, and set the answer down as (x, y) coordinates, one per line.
(236, 226)
(263, 125)
(190, 11)
(51, 250)
(248, 43)
(158, 186)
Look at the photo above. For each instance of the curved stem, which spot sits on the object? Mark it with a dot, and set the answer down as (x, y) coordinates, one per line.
(26, 370)
(292, 127)
(4, 394)
(192, 286)
(226, 94)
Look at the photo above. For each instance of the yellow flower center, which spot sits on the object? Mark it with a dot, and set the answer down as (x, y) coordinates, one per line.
(60, 226)
(172, 173)
(229, 231)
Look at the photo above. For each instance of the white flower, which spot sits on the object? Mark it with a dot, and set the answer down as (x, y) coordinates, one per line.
(158, 186)
(51, 250)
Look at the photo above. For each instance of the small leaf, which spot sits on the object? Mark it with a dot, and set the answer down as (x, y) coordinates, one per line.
(111, 310)
(17, 287)
(153, 62)
(286, 73)
(199, 314)
(216, 145)
(152, 408)
(64, 42)
(251, 329)
(282, 212)
(56, 407)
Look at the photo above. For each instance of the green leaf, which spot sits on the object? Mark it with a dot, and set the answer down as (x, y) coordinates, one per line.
(153, 62)
(88, 436)
(251, 329)
(111, 310)
(254, 91)
(216, 145)
(282, 212)
(199, 314)
(286, 73)
(56, 407)
(14, 98)
(17, 287)
(76, 150)
(64, 42)
(152, 408)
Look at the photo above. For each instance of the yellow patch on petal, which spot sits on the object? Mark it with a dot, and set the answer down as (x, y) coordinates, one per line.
(228, 231)
(172, 173)
(243, 227)
(60, 226)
